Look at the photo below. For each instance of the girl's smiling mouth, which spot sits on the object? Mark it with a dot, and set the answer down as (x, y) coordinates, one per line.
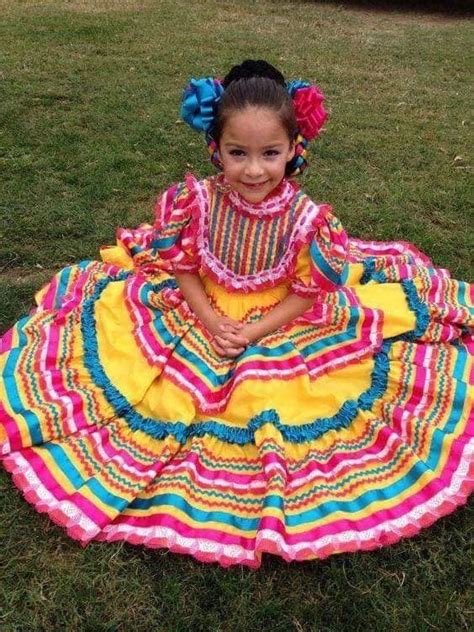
(254, 185)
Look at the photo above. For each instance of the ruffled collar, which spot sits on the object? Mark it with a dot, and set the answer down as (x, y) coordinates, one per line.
(275, 203)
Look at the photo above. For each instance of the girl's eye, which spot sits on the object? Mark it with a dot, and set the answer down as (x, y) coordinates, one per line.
(241, 152)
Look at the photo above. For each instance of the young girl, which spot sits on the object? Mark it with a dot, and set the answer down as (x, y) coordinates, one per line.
(241, 378)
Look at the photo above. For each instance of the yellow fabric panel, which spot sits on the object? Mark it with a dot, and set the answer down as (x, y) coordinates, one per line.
(303, 265)
(296, 400)
(165, 401)
(390, 298)
(117, 255)
(124, 364)
(238, 304)
(303, 268)
(354, 273)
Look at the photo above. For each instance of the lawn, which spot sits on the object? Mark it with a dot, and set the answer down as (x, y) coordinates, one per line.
(89, 135)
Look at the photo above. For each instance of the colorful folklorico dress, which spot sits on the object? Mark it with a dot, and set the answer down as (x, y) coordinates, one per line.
(347, 429)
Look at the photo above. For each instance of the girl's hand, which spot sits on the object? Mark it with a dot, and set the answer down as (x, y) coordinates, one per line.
(250, 332)
(227, 339)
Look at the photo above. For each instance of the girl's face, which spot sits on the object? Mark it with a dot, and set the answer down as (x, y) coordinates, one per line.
(254, 149)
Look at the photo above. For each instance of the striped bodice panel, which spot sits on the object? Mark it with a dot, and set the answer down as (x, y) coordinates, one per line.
(248, 244)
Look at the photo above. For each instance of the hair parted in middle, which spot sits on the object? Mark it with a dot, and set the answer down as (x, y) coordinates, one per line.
(255, 84)
(208, 102)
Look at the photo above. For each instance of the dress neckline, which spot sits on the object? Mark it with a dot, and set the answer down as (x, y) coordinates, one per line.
(274, 204)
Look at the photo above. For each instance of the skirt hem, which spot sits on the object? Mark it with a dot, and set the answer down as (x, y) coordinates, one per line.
(80, 528)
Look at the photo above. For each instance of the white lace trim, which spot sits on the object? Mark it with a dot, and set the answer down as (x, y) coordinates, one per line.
(274, 205)
(310, 215)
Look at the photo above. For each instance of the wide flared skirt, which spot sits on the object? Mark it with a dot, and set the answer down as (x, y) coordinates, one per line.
(346, 430)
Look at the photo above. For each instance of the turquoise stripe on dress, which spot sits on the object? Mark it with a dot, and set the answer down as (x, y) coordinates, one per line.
(163, 243)
(63, 463)
(14, 399)
(245, 524)
(321, 263)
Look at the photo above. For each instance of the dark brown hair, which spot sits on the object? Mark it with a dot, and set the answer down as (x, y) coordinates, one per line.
(255, 83)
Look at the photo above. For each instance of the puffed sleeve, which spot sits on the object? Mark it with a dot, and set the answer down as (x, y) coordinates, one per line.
(176, 227)
(169, 245)
(321, 264)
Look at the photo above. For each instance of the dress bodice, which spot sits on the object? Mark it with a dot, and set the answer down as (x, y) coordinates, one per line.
(249, 239)
(203, 226)
(247, 246)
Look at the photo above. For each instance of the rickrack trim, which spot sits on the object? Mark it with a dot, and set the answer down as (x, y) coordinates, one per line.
(159, 429)
(416, 305)
(301, 234)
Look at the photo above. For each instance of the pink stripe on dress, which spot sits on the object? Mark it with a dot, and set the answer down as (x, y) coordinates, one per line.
(6, 341)
(13, 435)
(50, 483)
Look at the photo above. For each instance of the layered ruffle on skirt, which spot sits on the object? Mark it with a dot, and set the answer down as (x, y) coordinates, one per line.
(345, 430)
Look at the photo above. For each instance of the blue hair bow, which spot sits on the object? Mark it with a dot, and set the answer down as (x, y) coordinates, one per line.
(293, 86)
(200, 98)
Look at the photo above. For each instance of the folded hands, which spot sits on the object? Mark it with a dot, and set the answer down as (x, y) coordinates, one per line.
(230, 337)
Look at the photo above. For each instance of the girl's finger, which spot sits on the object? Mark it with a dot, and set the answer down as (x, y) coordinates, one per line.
(236, 340)
(232, 340)
(218, 349)
(229, 352)
(232, 321)
(230, 326)
(233, 331)
(226, 351)
(232, 352)
(222, 342)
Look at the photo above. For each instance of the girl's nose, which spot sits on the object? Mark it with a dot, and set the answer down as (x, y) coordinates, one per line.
(253, 168)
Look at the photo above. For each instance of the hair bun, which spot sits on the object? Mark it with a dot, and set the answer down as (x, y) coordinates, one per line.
(253, 68)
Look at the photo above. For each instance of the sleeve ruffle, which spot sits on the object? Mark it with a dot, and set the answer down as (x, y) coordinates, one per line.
(176, 227)
(169, 245)
(321, 263)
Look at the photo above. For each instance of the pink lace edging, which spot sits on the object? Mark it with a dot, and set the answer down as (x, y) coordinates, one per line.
(197, 233)
(275, 204)
(81, 528)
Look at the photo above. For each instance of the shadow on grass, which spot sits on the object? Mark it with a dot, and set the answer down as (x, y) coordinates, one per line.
(446, 8)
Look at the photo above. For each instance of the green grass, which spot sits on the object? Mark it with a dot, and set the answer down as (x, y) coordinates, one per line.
(89, 97)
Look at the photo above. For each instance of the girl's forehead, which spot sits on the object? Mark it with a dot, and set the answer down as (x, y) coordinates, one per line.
(254, 123)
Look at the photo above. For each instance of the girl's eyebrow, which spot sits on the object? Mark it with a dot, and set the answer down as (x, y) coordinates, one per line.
(270, 146)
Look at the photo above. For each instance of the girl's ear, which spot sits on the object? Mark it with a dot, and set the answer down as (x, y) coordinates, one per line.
(218, 162)
(291, 151)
